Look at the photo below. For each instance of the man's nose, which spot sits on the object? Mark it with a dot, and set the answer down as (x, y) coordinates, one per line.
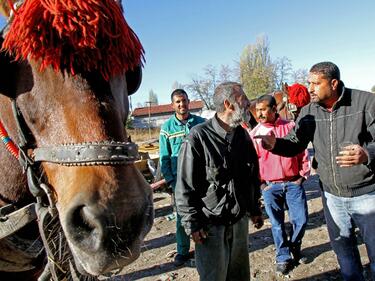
(311, 88)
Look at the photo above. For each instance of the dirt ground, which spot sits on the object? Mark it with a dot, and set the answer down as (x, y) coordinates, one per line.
(156, 260)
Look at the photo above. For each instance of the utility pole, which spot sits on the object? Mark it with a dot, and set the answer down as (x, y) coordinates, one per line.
(149, 119)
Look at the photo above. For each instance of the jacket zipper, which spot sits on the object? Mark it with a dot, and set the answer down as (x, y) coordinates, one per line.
(280, 162)
(332, 158)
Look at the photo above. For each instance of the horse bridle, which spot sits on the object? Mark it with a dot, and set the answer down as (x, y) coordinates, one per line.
(44, 210)
(290, 107)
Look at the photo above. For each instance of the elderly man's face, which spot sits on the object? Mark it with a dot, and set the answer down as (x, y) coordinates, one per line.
(241, 111)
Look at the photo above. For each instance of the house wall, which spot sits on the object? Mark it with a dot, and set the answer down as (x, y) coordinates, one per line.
(156, 120)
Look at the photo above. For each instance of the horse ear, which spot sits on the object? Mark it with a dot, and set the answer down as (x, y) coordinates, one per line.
(15, 77)
(134, 79)
(284, 87)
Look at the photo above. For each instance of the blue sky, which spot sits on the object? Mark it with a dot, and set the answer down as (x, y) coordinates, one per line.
(182, 37)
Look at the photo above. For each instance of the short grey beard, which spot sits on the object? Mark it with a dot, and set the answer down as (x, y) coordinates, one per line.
(239, 116)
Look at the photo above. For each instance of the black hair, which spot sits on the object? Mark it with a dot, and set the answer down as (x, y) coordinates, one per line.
(328, 69)
(268, 98)
(178, 92)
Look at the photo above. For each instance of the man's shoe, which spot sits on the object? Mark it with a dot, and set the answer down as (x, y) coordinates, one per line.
(303, 260)
(180, 260)
(298, 258)
(284, 267)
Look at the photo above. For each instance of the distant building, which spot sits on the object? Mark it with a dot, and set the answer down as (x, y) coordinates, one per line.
(156, 115)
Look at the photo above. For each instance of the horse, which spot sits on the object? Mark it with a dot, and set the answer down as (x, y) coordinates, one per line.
(73, 205)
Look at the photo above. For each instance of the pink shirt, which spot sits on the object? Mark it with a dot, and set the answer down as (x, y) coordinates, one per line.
(274, 167)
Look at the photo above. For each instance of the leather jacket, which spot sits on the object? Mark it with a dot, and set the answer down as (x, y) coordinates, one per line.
(217, 179)
(351, 119)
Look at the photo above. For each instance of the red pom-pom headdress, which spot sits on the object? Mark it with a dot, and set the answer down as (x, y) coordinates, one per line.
(298, 95)
(74, 35)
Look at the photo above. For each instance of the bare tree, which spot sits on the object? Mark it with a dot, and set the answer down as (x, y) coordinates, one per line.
(283, 68)
(300, 76)
(153, 98)
(177, 85)
(203, 87)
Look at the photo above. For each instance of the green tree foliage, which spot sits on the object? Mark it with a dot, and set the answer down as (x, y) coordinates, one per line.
(373, 89)
(257, 72)
(129, 122)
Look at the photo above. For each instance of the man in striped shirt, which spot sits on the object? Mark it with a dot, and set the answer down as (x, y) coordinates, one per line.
(172, 134)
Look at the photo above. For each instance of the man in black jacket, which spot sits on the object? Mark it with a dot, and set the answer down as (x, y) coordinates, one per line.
(339, 115)
(217, 185)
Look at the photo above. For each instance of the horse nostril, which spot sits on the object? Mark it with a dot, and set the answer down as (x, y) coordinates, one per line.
(86, 228)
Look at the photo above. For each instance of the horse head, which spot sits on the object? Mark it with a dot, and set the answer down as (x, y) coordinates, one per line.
(294, 98)
(66, 70)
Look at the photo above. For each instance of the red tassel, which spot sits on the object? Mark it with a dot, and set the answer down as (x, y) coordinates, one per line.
(76, 35)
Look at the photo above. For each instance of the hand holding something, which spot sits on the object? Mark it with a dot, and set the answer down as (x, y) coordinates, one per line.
(268, 141)
(199, 236)
(352, 155)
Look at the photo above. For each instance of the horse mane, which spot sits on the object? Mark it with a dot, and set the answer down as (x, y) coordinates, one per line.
(74, 35)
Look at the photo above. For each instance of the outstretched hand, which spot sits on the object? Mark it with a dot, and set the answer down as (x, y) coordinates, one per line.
(268, 141)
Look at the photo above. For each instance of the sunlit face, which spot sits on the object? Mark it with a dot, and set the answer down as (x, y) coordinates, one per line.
(321, 89)
(180, 104)
(265, 113)
(241, 111)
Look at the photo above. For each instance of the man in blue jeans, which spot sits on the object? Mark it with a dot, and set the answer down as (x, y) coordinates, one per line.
(336, 115)
(282, 179)
(172, 134)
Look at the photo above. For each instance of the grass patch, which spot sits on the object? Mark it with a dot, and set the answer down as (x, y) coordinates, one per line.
(143, 135)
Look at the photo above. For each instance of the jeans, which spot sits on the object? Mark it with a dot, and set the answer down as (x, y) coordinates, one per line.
(342, 215)
(275, 196)
(223, 255)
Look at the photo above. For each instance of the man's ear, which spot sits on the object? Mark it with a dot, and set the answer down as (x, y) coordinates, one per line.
(334, 84)
(228, 104)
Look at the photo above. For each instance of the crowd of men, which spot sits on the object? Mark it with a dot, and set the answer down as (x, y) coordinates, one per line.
(219, 168)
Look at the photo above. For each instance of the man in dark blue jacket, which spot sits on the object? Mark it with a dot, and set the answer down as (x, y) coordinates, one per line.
(339, 115)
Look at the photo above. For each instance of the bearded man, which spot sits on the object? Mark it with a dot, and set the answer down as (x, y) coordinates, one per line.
(217, 185)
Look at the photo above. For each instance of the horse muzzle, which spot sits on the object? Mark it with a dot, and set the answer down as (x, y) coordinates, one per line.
(106, 236)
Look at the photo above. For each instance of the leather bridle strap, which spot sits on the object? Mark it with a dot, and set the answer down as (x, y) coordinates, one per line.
(88, 153)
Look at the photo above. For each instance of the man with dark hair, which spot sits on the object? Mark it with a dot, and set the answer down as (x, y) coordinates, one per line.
(172, 134)
(281, 179)
(340, 122)
(217, 185)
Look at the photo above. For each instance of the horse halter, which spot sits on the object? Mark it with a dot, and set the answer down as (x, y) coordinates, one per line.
(81, 154)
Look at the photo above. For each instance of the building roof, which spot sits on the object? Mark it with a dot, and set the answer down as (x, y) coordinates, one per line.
(163, 108)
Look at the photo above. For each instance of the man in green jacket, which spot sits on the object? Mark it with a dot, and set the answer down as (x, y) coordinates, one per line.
(172, 134)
